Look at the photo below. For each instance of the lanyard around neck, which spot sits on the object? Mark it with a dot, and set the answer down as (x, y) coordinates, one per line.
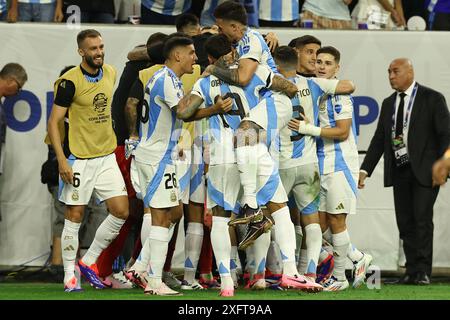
(408, 111)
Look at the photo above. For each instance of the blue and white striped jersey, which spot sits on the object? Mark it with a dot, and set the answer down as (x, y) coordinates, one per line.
(296, 149)
(37, 1)
(207, 17)
(167, 7)
(156, 132)
(275, 10)
(3, 7)
(253, 46)
(221, 127)
(335, 155)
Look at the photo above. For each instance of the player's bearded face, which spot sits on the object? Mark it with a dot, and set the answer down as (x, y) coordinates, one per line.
(95, 61)
(93, 52)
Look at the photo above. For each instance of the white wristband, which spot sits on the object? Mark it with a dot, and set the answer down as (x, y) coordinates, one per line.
(309, 129)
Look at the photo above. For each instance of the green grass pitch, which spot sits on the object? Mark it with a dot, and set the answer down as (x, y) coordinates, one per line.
(53, 291)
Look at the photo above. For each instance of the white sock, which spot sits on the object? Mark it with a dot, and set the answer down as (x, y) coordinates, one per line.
(158, 241)
(221, 244)
(313, 245)
(192, 248)
(69, 247)
(328, 236)
(340, 245)
(285, 237)
(303, 261)
(260, 248)
(274, 263)
(145, 229)
(298, 242)
(353, 253)
(143, 261)
(323, 254)
(106, 233)
(250, 263)
(247, 161)
(234, 259)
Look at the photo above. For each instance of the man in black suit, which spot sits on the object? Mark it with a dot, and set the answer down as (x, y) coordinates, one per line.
(413, 132)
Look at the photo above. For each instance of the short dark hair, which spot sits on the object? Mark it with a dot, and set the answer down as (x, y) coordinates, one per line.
(217, 46)
(14, 70)
(286, 57)
(174, 42)
(186, 19)
(231, 10)
(65, 69)
(88, 33)
(302, 41)
(155, 47)
(156, 37)
(330, 50)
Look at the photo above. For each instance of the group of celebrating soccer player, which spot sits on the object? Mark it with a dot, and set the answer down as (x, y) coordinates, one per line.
(265, 140)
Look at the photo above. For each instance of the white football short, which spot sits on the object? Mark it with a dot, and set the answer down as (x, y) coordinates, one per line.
(157, 184)
(224, 187)
(183, 170)
(98, 176)
(303, 183)
(272, 114)
(268, 184)
(197, 186)
(338, 192)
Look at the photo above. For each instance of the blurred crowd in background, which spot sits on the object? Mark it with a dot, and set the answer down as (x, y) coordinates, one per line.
(323, 14)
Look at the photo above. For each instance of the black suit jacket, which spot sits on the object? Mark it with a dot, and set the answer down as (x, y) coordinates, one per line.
(428, 136)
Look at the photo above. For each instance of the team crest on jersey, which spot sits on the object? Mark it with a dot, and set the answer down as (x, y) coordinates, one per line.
(100, 102)
(338, 108)
(173, 196)
(245, 49)
(75, 195)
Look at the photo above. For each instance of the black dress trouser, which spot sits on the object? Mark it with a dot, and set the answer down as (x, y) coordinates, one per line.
(414, 213)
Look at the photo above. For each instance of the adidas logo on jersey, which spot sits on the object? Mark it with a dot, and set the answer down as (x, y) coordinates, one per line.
(69, 248)
(340, 206)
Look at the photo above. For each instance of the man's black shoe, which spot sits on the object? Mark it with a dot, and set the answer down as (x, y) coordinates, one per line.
(405, 279)
(248, 215)
(254, 230)
(422, 278)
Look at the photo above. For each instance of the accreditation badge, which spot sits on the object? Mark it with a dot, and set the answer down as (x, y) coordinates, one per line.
(400, 153)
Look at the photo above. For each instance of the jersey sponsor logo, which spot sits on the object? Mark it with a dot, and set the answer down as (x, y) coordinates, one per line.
(100, 102)
(69, 248)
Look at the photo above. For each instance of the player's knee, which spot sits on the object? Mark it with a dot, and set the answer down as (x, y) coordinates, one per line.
(337, 222)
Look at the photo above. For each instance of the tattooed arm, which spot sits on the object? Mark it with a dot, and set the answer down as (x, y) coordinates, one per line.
(188, 108)
(240, 76)
(188, 105)
(131, 116)
(283, 85)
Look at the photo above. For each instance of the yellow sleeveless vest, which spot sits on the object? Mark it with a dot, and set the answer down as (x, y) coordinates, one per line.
(91, 132)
